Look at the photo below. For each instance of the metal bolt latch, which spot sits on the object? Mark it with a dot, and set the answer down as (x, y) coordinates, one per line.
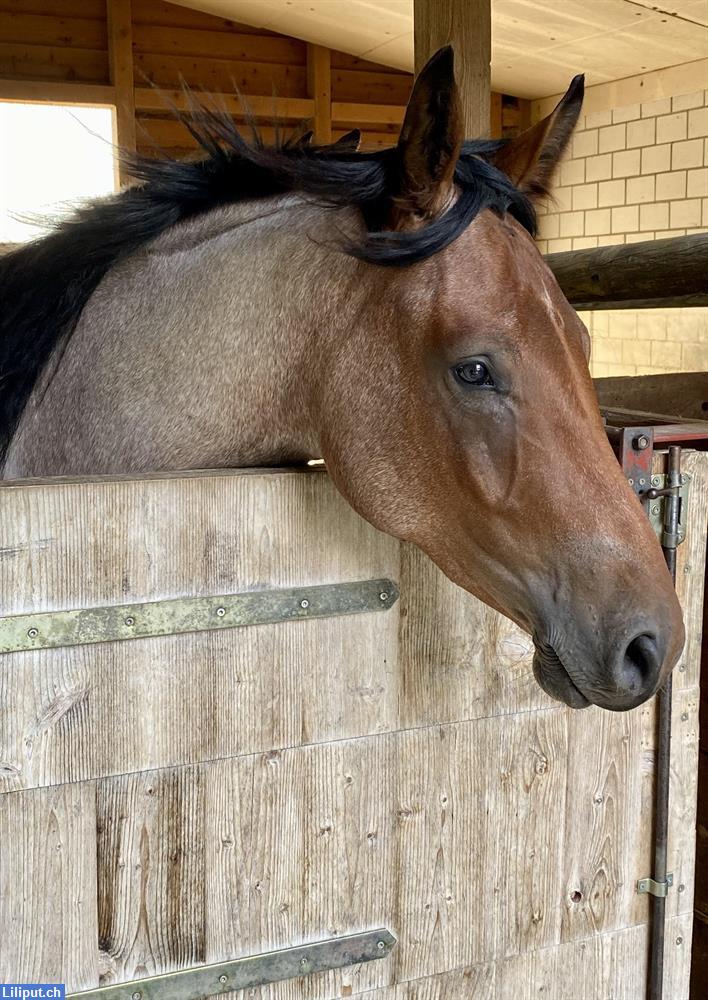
(648, 885)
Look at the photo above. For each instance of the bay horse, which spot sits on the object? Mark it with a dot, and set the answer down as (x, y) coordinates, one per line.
(386, 311)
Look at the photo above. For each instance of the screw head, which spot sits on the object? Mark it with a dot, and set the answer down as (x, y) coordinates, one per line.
(222, 978)
(682, 888)
(137, 995)
(304, 603)
(129, 621)
(220, 612)
(383, 596)
(684, 716)
(303, 962)
(32, 633)
(381, 945)
(641, 442)
(631, 482)
(679, 940)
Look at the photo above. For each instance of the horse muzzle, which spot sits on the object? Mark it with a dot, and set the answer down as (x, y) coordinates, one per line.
(631, 671)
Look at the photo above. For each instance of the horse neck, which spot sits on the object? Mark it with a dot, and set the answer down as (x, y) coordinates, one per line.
(203, 350)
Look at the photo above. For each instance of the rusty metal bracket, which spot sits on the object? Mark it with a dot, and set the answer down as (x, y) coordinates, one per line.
(248, 973)
(635, 453)
(50, 629)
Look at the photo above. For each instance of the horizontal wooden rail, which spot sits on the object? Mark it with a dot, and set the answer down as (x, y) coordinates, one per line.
(158, 99)
(367, 114)
(656, 274)
(56, 92)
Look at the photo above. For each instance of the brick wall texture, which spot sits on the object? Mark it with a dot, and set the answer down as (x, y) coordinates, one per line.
(636, 173)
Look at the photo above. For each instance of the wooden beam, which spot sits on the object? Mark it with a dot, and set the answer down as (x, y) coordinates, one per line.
(120, 61)
(467, 25)
(354, 115)
(495, 126)
(656, 274)
(282, 108)
(319, 87)
(57, 92)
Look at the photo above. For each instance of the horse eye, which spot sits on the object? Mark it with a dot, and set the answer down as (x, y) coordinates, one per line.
(473, 373)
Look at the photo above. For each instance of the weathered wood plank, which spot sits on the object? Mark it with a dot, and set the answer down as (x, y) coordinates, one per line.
(48, 887)
(683, 792)
(150, 858)
(691, 568)
(607, 839)
(300, 846)
(182, 699)
(479, 861)
(458, 658)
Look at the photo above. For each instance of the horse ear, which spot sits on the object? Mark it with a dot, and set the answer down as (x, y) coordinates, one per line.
(430, 141)
(531, 158)
(349, 142)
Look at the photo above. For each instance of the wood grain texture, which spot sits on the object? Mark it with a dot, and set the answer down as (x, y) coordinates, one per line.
(631, 276)
(48, 886)
(691, 568)
(458, 658)
(182, 699)
(43, 29)
(262, 787)
(222, 43)
(120, 69)
(467, 26)
(319, 89)
(150, 860)
(62, 92)
(45, 62)
(149, 99)
(607, 833)
(222, 75)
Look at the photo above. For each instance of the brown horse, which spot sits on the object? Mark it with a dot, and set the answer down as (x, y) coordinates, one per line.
(387, 311)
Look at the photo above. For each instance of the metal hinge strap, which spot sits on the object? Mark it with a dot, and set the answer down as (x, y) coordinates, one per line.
(51, 629)
(248, 973)
(648, 885)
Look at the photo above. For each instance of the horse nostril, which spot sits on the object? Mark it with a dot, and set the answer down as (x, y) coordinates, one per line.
(641, 665)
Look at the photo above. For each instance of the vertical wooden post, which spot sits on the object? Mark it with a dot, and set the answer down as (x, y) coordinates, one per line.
(319, 88)
(120, 62)
(467, 25)
(495, 127)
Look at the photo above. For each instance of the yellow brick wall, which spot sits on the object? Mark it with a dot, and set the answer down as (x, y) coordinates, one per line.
(635, 172)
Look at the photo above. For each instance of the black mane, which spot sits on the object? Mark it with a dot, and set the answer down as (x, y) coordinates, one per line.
(45, 284)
